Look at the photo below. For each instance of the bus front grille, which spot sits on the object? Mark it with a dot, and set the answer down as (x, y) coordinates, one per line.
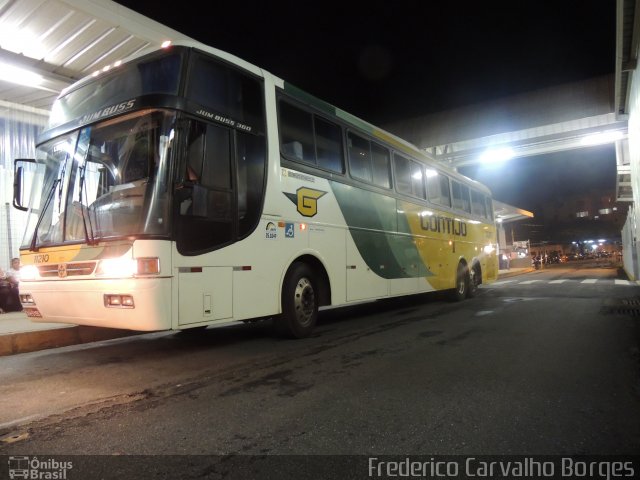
(62, 270)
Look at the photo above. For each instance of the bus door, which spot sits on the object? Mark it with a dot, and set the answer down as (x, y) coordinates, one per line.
(205, 294)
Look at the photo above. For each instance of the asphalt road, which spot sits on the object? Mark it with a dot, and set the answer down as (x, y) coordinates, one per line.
(545, 363)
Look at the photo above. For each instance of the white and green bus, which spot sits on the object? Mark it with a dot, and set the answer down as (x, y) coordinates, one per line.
(186, 188)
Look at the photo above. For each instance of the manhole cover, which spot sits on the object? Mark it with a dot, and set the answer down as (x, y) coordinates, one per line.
(629, 307)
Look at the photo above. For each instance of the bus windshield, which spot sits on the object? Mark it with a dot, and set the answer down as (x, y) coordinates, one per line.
(103, 181)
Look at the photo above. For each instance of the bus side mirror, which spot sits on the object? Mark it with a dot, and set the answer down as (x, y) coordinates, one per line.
(18, 182)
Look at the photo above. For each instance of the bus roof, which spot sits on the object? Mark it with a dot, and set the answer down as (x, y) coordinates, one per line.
(348, 118)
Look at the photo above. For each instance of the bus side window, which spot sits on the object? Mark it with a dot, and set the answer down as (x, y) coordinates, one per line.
(296, 133)
(409, 177)
(438, 188)
(293, 149)
(328, 138)
(381, 162)
(195, 151)
(207, 206)
(359, 157)
(402, 172)
(478, 204)
(251, 162)
(460, 194)
(489, 208)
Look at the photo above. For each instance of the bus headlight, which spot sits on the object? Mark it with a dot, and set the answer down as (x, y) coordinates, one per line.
(488, 249)
(128, 267)
(29, 272)
(117, 267)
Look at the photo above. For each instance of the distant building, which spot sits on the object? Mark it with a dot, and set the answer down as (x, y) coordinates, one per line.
(576, 218)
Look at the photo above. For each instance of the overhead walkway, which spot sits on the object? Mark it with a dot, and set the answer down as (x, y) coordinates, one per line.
(562, 118)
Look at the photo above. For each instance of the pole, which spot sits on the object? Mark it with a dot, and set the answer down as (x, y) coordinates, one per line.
(9, 242)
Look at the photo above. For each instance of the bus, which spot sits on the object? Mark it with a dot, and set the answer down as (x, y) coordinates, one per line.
(186, 187)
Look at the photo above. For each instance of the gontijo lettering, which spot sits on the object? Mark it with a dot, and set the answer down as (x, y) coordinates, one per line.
(441, 224)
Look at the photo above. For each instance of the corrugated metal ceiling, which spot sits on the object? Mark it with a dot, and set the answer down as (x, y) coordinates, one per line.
(65, 40)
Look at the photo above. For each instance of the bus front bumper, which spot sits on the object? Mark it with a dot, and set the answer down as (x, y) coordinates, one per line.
(142, 304)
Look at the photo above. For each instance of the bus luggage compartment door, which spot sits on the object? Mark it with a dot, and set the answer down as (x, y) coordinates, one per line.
(204, 294)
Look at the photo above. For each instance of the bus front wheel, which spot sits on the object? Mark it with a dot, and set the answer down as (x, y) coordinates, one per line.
(299, 302)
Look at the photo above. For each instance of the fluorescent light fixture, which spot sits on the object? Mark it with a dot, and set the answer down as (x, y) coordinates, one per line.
(12, 74)
(497, 155)
(165, 44)
(601, 137)
(21, 41)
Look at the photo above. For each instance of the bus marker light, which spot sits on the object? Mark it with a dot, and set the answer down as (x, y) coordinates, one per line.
(26, 299)
(148, 266)
(118, 301)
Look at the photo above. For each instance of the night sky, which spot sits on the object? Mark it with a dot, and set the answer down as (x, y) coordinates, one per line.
(389, 60)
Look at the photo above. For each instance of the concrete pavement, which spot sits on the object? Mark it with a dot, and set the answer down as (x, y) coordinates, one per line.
(18, 334)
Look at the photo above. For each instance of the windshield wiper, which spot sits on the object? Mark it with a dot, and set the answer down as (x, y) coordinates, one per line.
(88, 232)
(34, 239)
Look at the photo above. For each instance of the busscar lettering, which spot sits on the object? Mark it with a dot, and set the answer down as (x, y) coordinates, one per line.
(107, 111)
(438, 224)
(224, 120)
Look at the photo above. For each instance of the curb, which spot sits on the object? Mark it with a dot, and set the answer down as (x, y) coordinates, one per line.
(36, 340)
(24, 342)
(513, 274)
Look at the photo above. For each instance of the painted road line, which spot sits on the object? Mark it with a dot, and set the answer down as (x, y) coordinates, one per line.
(590, 280)
(622, 282)
(529, 282)
(558, 281)
(502, 282)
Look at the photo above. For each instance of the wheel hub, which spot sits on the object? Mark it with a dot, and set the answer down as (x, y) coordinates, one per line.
(304, 301)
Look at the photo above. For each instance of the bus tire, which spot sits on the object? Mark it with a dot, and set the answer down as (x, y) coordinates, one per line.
(461, 289)
(475, 279)
(299, 302)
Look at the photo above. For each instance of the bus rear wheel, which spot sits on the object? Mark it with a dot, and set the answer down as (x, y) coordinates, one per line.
(475, 279)
(299, 302)
(461, 289)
